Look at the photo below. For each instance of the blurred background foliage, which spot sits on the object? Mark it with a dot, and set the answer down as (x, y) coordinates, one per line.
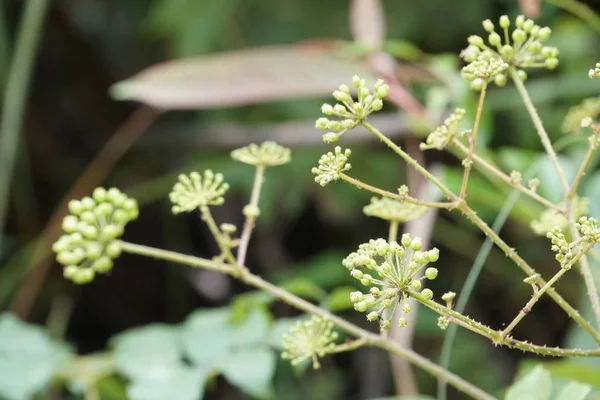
(304, 231)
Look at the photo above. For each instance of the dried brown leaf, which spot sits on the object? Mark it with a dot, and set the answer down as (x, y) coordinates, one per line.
(239, 78)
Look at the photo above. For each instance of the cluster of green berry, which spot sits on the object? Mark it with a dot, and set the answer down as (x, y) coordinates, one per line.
(195, 190)
(523, 48)
(397, 266)
(443, 135)
(309, 339)
(90, 243)
(331, 165)
(351, 112)
(565, 250)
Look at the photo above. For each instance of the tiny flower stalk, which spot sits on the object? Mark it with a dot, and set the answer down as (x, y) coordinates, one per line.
(393, 211)
(268, 154)
(90, 243)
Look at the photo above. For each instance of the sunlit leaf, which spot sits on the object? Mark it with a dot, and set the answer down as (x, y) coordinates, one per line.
(536, 385)
(574, 391)
(181, 383)
(238, 78)
(208, 337)
(252, 330)
(251, 370)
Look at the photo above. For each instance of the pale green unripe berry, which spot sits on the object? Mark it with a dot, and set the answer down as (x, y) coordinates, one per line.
(522, 75)
(87, 204)
(251, 211)
(335, 126)
(120, 216)
(504, 22)
(341, 96)
(406, 308)
(385, 325)
(357, 296)
(475, 40)
(113, 250)
(500, 80)
(427, 294)
(66, 258)
(88, 217)
(344, 88)
(93, 250)
(89, 232)
(339, 109)
(416, 244)
(321, 123)
(382, 91)
(75, 239)
(448, 296)
(366, 280)
(376, 105)
(433, 255)
(327, 109)
(99, 194)
(75, 207)
(431, 273)
(519, 36)
(361, 306)
(494, 39)
(102, 265)
(356, 81)
(70, 271)
(69, 223)
(443, 323)
(103, 210)
(488, 25)
(402, 322)
(477, 84)
(406, 240)
(535, 47)
(544, 33)
(372, 316)
(110, 232)
(528, 25)
(415, 285)
(330, 137)
(519, 21)
(551, 63)
(85, 275)
(507, 51)
(60, 246)
(357, 274)
(419, 257)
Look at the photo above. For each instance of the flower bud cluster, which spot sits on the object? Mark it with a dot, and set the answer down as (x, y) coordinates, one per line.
(594, 72)
(589, 108)
(485, 68)
(589, 229)
(521, 48)
(389, 270)
(268, 154)
(89, 244)
(331, 165)
(551, 218)
(349, 112)
(565, 251)
(443, 135)
(393, 210)
(195, 190)
(309, 339)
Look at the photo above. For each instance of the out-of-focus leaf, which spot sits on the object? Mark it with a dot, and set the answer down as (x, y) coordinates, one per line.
(304, 288)
(550, 186)
(85, 372)
(367, 22)
(402, 49)
(517, 159)
(238, 78)
(417, 397)
(148, 353)
(244, 303)
(574, 391)
(251, 370)
(339, 299)
(181, 383)
(253, 329)
(591, 190)
(28, 358)
(279, 328)
(536, 385)
(573, 370)
(207, 336)
(324, 270)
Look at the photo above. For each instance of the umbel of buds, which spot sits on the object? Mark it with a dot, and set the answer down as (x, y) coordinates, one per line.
(519, 49)
(389, 270)
(309, 339)
(195, 190)
(551, 219)
(443, 135)
(331, 165)
(91, 231)
(393, 210)
(565, 251)
(268, 154)
(349, 112)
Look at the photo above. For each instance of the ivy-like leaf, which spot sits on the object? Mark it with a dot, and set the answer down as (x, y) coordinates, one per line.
(251, 370)
(536, 385)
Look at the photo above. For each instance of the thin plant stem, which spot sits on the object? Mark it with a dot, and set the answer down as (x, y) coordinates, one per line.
(349, 346)
(477, 221)
(525, 190)
(393, 232)
(539, 127)
(250, 220)
(369, 338)
(467, 162)
(540, 292)
(582, 168)
(15, 95)
(395, 196)
(216, 232)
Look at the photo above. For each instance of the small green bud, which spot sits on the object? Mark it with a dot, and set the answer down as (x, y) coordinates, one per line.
(372, 316)
(66, 258)
(344, 88)
(433, 255)
(522, 75)
(416, 244)
(494, 39)
(321, 123)
(102, 265)
(519, 21)
(382, 91)
(327, 109)
(361, 306)
(551, 63)
(89, 232)
(87, 204)
(427, 294)
(69, 223)
(431, 273)
(70, 271)
(330, 137)
(110, 232)
(488, 25)
(113, 249)
(544, 33)
(356, 274)
(406, 308)
(120, 216)
(500, 80)
(385, 325)
(519, 36)
(60, 245)
(477, 84)
(504, 22)
(402, 322)
(103, 210)
(448, 296)
(356, 297)
(415, 285)
(130, 205)
(99, 194)
(475, 40)
(507, 51)
(93, 250)
(83, 276)
(75, 207)
(341, 96)
(376, 105)
(406, 240)
(251, 211)
(88, 217)
(356, 81)
(528, 25)
(443, 323)
(335, 126)
(535, 47)
(366, 280)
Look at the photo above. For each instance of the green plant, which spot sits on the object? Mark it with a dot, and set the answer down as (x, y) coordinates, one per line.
(392, 270)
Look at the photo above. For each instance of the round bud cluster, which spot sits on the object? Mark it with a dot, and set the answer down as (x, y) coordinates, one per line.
(521, 48)
(443, 323)
(589, 108)
(485, 68)
(268, 154)
(194, 190)
(594, 72)
(349, 112)
(551, 218)
(390, 270)
(393, 210)
(89, 244)
(309, 339)
(562, 248)
(443, 135)
(331, 165)
(516, 177)
(589, 229)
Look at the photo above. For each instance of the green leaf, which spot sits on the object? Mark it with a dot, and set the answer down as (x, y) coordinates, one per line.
(181, 383)
(208, 337)
(279, 328)
(591, 190)
(147, 353)
(574, 391)
(251, 370)
(254, 329)
(550, 186)
(575, 370)
(304, 288)
(339, 299)
(536, 385)
(28, 358)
